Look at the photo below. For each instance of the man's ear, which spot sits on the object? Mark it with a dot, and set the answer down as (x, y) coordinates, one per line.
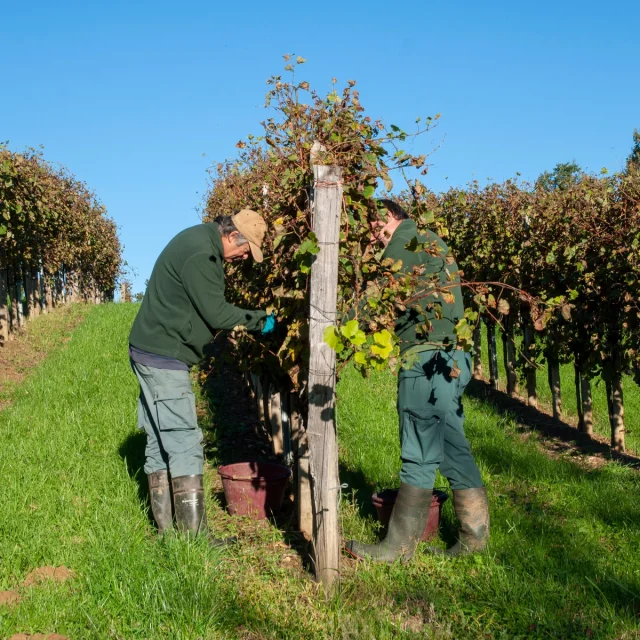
(232, 237)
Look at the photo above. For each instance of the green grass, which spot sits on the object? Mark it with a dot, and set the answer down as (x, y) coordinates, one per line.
(563, 560)
(567, 384)
(30, 345)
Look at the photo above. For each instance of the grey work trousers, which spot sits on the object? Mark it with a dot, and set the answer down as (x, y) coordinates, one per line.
(431, 421)
(167, 414)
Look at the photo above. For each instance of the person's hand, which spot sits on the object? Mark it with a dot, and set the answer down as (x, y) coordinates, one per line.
(269, 324)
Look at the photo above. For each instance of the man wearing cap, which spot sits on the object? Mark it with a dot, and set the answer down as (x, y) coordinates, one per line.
(182, 307)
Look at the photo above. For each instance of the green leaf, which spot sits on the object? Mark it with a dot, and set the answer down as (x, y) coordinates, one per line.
(332, 338)
(349, 329)
(368, 191)
(360, 358)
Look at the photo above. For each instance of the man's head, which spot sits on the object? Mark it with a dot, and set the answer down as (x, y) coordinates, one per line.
(242, 233)
(386, 220)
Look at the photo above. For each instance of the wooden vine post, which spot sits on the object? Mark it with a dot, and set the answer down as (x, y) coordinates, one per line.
(4, 310)
(509, 356)
(587, 405)
(553, 374)
(477, 351)
(615, 400)
(493, 354)
(321, 429)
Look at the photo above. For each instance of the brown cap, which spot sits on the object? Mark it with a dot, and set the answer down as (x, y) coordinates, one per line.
(251, 225)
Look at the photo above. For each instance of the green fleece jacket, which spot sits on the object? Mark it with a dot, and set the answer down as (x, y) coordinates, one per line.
(442, 315)
(184, 302)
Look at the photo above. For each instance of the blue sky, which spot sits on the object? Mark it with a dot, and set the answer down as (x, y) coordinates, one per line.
(130, 95)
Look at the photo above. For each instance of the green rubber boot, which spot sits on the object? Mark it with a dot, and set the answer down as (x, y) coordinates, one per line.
(406, 526)
(191, 515)
(160, 497)
(472, 508)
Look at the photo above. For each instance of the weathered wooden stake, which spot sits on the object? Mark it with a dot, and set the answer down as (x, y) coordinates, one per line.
(37, 291)
(321, 431)
(13, 301)
(553, 372)
(4, 309)
(493, 354)
(577, 378)
(616, 404)
(477, 351)
(529, 340)
(48, 288)
(509, 355)
(302, 478)
(275, 418)
(587, 405)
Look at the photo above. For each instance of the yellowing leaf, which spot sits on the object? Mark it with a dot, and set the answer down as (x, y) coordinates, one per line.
(360, 358)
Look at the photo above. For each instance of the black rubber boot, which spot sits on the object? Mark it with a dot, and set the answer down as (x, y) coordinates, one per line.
(406, 526)
(472, 508)
(160, 497)
(191, 515)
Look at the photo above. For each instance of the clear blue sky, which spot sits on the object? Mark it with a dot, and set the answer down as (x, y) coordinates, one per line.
(130, 95)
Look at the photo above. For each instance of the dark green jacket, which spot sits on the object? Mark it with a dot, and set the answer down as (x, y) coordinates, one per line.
(442, 328)
(184, 302)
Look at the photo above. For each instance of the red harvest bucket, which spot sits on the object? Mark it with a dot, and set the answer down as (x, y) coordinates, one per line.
(254, 489)
(383, 501)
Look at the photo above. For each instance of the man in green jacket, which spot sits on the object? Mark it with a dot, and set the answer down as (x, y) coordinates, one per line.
(429, 400)
(183, 305)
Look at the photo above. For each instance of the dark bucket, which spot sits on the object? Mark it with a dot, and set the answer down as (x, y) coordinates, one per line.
(383, 501)
(254, 489)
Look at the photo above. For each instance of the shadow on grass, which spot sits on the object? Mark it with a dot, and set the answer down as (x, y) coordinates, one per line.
(566, 532)
(131, 450)
(544, 423)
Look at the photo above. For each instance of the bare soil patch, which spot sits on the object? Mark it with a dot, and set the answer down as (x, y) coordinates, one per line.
(42, 574)
(9, 598)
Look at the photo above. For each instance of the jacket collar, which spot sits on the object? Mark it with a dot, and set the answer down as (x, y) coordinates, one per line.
(406, 231)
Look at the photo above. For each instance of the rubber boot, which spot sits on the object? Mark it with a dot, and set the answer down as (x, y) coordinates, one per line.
(406, 526)
(472, 508)
(191, 514)
(160, 496)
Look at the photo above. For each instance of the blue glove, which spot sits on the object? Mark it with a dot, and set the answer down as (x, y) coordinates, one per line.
(269, 324)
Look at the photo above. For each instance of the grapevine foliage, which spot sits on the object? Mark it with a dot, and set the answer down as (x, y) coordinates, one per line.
(49, 219)
(273, 175)
(575, 251)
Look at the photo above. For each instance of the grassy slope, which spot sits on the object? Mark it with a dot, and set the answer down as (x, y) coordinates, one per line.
(563, 560)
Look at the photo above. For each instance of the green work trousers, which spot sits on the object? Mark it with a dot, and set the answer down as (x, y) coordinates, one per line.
(431, 421)
(167, 413)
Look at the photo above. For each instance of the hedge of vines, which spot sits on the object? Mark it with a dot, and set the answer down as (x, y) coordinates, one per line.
(56, 241)
(578, 247)
(273, 175)
(564, 262)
